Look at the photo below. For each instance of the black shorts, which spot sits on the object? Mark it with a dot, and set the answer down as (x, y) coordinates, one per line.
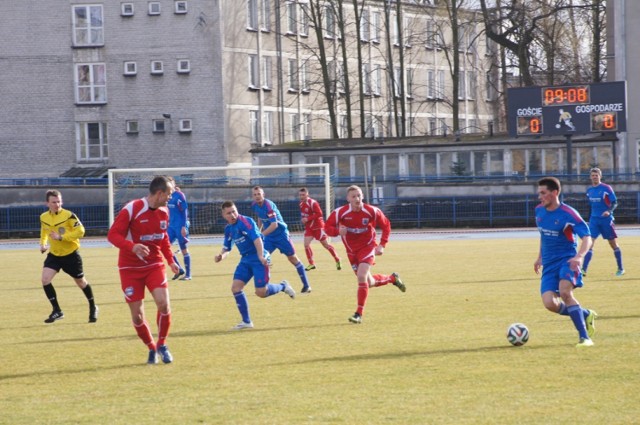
(70, 264)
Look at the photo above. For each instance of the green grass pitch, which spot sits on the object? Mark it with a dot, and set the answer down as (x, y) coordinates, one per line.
(436, 354)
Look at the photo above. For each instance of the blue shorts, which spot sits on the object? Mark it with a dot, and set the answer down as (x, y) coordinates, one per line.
(251, 267)
(553, 274)
(282, 242)
(176, 234)
(604, 227)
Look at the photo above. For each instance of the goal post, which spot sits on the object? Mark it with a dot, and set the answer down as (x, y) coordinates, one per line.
(207, 187)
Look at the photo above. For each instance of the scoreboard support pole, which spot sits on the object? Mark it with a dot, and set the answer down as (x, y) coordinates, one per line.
(569, 154)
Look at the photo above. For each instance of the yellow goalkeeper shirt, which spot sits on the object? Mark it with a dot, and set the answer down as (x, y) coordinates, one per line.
(67, 225)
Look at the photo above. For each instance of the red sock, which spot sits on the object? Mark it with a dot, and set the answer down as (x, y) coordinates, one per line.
(309, 253)
(382, 279)
(164, 323)
(144, 333)
(363, 291)
(333, 253)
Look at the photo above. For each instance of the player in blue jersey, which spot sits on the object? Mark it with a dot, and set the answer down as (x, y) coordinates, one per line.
(603, 201)
(179, 230)
(560, 225)
(276, 233)
(244, 233)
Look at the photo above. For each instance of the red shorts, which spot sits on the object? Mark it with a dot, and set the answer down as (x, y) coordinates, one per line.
(364, 255)
(134, 281)
(317, 234)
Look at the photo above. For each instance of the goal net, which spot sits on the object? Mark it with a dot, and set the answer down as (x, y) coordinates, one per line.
(206, 188)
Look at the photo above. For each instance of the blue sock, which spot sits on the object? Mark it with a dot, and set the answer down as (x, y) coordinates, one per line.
(243, 306)
(303, 274)
(563, 309)
(587, 260)
(577, 317)
(187, 264)
(618, 255)
(175, 260)
(273, 288)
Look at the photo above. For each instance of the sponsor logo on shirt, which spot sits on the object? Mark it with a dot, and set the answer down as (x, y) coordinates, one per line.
(154, 236)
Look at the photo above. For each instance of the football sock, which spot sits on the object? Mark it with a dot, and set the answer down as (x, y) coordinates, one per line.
(164, 323)
(563, 309)
(302, 273)
(333, 252)
(175, 260)
(587, 260)
(50, 292)
(243, 306)
(618, 255)
(382, 279)
(575, 312)
(363, 292)
(187, 264)
(144, 333)
(309, 252)
(274, 288)
(88, 292)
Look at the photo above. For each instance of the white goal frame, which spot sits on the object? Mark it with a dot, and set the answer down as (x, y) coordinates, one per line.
(249, 169)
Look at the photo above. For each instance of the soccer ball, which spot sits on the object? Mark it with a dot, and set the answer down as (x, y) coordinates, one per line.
(557, 125)
(518, 334)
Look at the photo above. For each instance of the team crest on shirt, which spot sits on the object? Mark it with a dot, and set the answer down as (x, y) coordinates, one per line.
(365, 221)
(61, 230)
(163, 224)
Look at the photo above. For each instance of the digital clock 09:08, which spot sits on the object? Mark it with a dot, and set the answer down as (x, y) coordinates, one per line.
(567, 95)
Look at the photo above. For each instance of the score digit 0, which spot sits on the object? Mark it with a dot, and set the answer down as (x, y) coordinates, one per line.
(604, 121)
(529, 125)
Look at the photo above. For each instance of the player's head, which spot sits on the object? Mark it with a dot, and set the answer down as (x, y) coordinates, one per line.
(258, 194)
(173, 182)
(160, 190)
(229, 211)
(303, 194)
(54, 200)
(354, 196)
(549, 189)
(596, 176)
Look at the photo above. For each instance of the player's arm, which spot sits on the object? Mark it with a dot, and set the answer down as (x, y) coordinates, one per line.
(77, 230)
(331, 226)
(257, 242)
(385, 225)
(227, 244)
(272, 227)
(118, 231)
(537, 265)
(224, 252)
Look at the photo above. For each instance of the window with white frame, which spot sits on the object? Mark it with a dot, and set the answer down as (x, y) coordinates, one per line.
(91, 83)
(306, 127)
(366, 78)
(185, 125)
(154, 8)
(473, 85)
(127, 9)
(440, 85)
(304, 80)
(431, 34)
(433, 127)
(254, 126)
(395, 31)
(491, 90)
(329, 22)
(407, 31)
(375, 26)
(292, 17)
(180, 7)
(344, 127)
(471, 37)
(91, 141)
(294, 83)
(130, 68)
(88, 25)
(267, 128)
(132, 127)
(159, 126)
(303, 17)
(252, 15)
(364, 25)
(431, 84)
(376, 80)
(409, 82)
(157, 67)
(294, 127)
(266, 73)
(265, 12)
(462, 85)
(342, 87)
(254, 72)
(184, 66)
(443, 127)
(396, 82)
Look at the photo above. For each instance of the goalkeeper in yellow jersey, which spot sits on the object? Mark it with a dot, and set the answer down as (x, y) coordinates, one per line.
(60, 233)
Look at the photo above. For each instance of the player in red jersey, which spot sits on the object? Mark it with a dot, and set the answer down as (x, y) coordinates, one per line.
(140, 232)
(356, 223)
(313, 221)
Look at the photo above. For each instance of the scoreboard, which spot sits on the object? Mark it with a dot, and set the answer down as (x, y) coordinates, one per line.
(566, 110)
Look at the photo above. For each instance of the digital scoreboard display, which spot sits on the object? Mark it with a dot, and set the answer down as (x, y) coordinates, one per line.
(566, 110)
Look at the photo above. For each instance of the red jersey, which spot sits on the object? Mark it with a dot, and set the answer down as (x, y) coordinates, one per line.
(137, 223)
(310, 209)
(361, 226)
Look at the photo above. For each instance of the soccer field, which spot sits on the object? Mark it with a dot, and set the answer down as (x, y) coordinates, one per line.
(436, 354)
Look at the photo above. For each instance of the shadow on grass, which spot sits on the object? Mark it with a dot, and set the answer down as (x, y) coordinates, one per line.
(8, 376)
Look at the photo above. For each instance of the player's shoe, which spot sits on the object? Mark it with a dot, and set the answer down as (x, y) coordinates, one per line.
(55, 315)
(590, 322)
(93, 314)
(242, 325)
(153, 357)
(185, 278)
(165, 354)
(288, 289)
(584, 273)
(620, 272)
(584, 342)
(310, 267)
(305, 290)
(356, 318)
(398, 282)
(177, 275)
(338, 265)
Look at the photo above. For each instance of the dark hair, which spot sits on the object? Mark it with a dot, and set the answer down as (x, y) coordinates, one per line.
(52, 192)
(303, 189)
(258, 188)
(551, 183)
(159, 184)
(227, 204)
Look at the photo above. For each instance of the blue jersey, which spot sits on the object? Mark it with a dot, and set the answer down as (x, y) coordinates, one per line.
(269, 213)
(558, 230)
(242, 234)
(178, 211)
(601, 198)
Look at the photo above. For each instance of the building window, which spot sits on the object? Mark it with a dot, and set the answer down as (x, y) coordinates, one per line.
(154, 8)
(329, 22)
(254, 76)
(292, 18)
(431, 84)
(491, 90)
(185, 126)
(295, 127)
(159, 126)
(266, 73)
(91, 83)
(184, 66)
(265, 11)
(440, 85)
(157, 67)
(253, 124)
(462, 86)
(130, 68)
(304, 20)
(126, 9)
(294, 83)
(375, 27)
(88, 26)
(252, 15)
(364, 26)
(180, 7)
(473, 85)
(267, 128)
(91, 141)
(132, 127)
(431, 34)
(376, 80)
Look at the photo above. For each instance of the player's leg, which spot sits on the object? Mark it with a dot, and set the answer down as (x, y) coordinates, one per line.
(74, 268)
(309, 252)
(49, 271)
(609, 233)
(576, 312)
(186, 256)
(324, 240)
(172, 234)
(363, 275)
(595, 232)
(241, 276)
(163, 319)
(285, 245)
